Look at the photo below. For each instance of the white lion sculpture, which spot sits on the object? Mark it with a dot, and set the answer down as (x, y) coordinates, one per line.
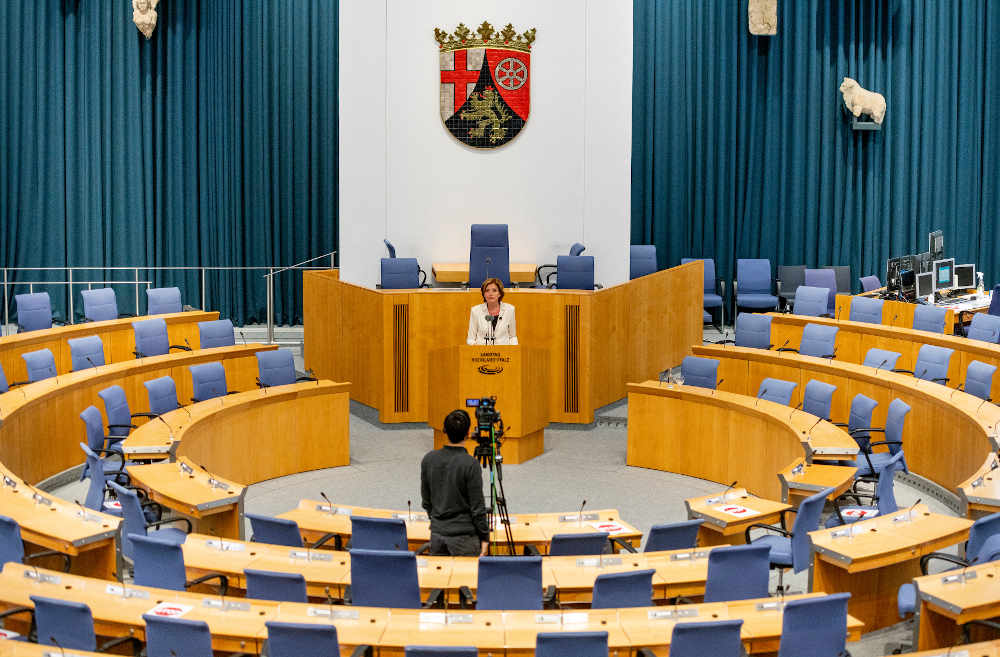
(861, 101)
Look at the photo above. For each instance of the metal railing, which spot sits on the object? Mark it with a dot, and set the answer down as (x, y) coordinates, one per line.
(137, 282)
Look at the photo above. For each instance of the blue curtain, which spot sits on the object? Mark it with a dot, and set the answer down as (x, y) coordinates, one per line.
(740, 148)
(212, 144)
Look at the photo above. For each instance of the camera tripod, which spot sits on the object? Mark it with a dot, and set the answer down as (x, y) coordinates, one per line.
(488, 454)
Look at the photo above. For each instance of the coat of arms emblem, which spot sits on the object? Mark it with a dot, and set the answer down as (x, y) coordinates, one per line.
(485, 83)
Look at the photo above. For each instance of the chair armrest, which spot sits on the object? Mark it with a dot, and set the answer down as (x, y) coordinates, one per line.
(324, 539)
(531, 551)
(787, 349)
(425, 548)
(167, 522)
(625, 545)
(549, 598)
(138, 354)
(856, 430)
(18, 383)
(784, 523)
(50, 553)
(149, 415)
(136, 644)
(941, 556)
(722, 342)
(830, 315)
(121, 426)
(839, 424)
(900, 370)
(942, 379)
(306, 378)
(19, 610)
(760, 525)
(434, 600)
(182, 347)
(422, 283)
(465, 598)
(884, 442)
(223, 582)
(363, 651)
(548, 279)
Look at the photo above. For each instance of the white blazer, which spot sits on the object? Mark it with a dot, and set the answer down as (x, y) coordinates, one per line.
(481, 329)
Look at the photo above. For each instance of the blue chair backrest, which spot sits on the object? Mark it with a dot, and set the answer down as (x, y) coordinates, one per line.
(885, 489)
(162, 395)
(753, 275)
(776, 390)
(979, 379)
(894, 423)
(633, 588)
(578, 544)
(509, 583)
(806, 520)
(151, 337)
(817, 398)
(163, 300)
(642, 260)
(11, 544)
(301, 639)
(440, 651)
(700, 372)
(384, 578)
(86, 352)
(866, 310)
(271, 585)
(860, 417)
(41, 365)
(170, 637)
(753, 330)
(158, 562)
(715, 638)
(400, 273)
(275, 368)
(577, 249)
(825, 279)
(218, 333)
(929, 318)
(489, 241)
(34, 311)
(869, 283)
(571, 644)
(276, 531)
(709, 264)
(117, 410)
(575, 272)
(378, 533)
(672, 536)
(819, 340)
(881, 358)
(94, 426)
(933, 362)
(990, 550)
(812, 301)
(738, 572)
(4, 386)
(982, 529)
(814, 626)
(94, 471)
(208, 381)
(133, 519)
(65, 624)
(984, 327)
(100, 305)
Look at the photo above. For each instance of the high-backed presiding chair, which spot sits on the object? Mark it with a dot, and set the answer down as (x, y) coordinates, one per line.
(277, 368)
(163, 301)
(159, 562)
(378, 533)
(700, 372)
(68, 625)
(574, 272)
(86, 352)
(881, 358)
(738, 572)
(979, 379)
(932, 364)
(984, 327)
(642, 260)
(171, 637)
(507, 583)
(40, 364)
(814, 626)
(869, 283)
(387, 578)
(100, 305)
(217, 333)
(571, 644)
(712, 295)
(753, 331)
(812, 301)
(753, 285)
(633, 588)
(489, 254)
(401, 274)
(866, 310)
(162, 395)
(817, 398)
(792, 549)
(929, 318)
(151, 338)
(776, 390)
(715, 638)
(817, 340)
(273, 585)
(208, 381)
(790, 279)
(826, 279)
(34, 311)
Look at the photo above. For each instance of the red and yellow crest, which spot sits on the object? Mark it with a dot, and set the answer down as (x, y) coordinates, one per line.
(485, 83)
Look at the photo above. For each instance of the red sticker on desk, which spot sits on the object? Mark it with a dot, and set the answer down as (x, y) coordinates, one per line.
(735, 510)
(7, 634)
(169, 610)
(859, 513)
(608, 527)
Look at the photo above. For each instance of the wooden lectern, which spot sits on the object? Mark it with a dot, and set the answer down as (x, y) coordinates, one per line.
(518, 377)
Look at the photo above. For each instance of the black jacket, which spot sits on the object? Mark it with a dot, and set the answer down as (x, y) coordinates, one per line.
(451, 488)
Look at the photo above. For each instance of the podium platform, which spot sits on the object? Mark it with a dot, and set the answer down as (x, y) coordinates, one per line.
(516, 375)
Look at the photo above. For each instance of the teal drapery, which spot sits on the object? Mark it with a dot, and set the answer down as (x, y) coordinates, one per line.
(213, 143)
(740, 148)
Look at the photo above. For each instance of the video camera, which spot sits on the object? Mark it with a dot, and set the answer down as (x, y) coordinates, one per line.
(489, 428)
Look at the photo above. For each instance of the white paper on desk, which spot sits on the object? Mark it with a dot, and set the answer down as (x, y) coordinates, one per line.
(575, 618)
(736, 510)
(609, 527)
(435, 617)
(170, 610)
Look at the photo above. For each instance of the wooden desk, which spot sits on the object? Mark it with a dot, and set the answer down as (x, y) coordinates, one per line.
(871, 558)
(25, 649)
(980, 493)
(981, 649)
(950, 599)
(723, 436)
(596, 341)
(801, 480)
(458, 272)
(727, 517)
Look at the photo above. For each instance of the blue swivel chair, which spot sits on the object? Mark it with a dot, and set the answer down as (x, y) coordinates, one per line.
(34, 311)
(859, 420)
(979, 379)
(753, 285)
(881, 358)
(387, 578)
(817, 340)
(68, 625)
(134, 522)
(86, 352)
(100, 305)
(508, 583)
(884, 501)
(218, 333)
(776, 390)
(812, 301)
(578, 544)
(671, 536)
(712, 295)
(932, 364)
(270, 585)
(869, 283)
(753, 331)
(159, 562)
(98, 471)
(929, 318)
(440, 651)
(633, 588)
(642, 261)
(306, 640)
(378, 533)
(571, 644)
(489, 254)
(4, 386)
(792, 549)
(401, 274)
(40, 364)
(825, 279)
(99, 443)
(984, 327)
(170, 637)
(162, 395)
(817, 398)
(715, 638)
(700, 372)
(738, 572)
(163, 301)
(208, 381)
(866, 310)
(814, 626)
(119, 415)
(279, 531)
(12, 545)
(869, 462)
(277, 368)
(151, 338)
(575, 272)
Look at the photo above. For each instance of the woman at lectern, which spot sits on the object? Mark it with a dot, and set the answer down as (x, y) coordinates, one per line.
(492, 322)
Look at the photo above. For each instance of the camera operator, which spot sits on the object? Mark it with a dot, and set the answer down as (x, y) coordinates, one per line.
(451, 488)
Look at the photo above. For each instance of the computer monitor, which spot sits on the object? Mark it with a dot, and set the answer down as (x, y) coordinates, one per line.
(925, 284)
(922, 262)
(892, 274)
(965, 276)
(907, 280)
(944, 274)
(935, 244)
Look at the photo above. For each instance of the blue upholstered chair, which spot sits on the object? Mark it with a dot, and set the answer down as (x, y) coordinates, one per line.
(869, 462)
(12, 545)
(994, 308)
(40, 364)
(929, 318)
(162, 395)
(811, 301)
(100, 444)
(580, 545)
(859, 420)
(279, 531)
(271, 585)
(817, 340)
(866, 310)
(884, 501)
(932, 364)
(817, 398)
(277, 368)
(575, 272)
(68, 625)
(642, 261)
(881, 358)
(151, 338)
(792, 549)
(489, 254)
(118, 413)
(571, 644)
(4, 386)
(100, 305)
(306, 640)
(387, 578)
(378, 533)
(753, 285)
(208, 381)
(159, 562)
(134, 522)
(738, 572)
(984, 327)
(700, 372)
(401, 274)
(979, 379)
(825, 279)
(672, 536)
(715, 638)
(217, 333)
(712, 295)
(34, 311)
(633, 588)
(171, 637)
(869, 283)
(753, 331)
(97, 471)
(814, 626)
(86, 352)
(507, 583)
(163, 301)
(776, 390)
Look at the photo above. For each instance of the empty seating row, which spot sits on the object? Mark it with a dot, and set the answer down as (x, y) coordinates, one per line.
(34, 310)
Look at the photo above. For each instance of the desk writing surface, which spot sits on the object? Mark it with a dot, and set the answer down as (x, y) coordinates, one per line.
(458, 272)
(484, 629)
(355, 625)
(731, 514)
(25, 649)
(800, 480)
(185, 487)
(523, 627)
(961, 599)
(980, 493)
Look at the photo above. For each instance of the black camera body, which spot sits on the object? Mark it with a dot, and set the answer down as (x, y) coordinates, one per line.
(489, 428)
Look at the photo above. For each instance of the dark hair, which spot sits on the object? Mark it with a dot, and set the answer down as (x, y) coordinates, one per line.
(492, 281)
(456, 425)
